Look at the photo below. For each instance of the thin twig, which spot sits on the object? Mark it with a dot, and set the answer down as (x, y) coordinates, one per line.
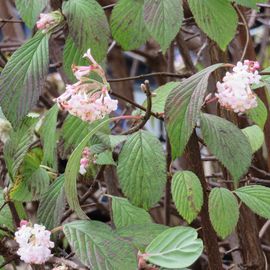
(262, 172)
(264, 229)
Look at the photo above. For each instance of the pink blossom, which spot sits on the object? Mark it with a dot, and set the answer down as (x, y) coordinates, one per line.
(47, 21)
(85, 160)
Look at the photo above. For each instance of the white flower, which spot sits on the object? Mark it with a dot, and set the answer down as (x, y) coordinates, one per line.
(34, 243)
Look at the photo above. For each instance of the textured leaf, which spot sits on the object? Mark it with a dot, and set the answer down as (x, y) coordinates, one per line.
(217, 19)
(72, 55)
(23, 77)
(258, 114)
(227, 143)
(30, 10)
(125, 214)
(99, 247)
(163, 19)
(48, 137)
(5, 214)
(187, 194)
(142, 169)
(223, 211)
(88, 26)
(52, 205)
(72, 170)
(255, 137)
(176, 247)
(257, 198)
(182, 108)
(127, 24)
(105, 158)
(161, 94)
(141, 235)
(111, 141)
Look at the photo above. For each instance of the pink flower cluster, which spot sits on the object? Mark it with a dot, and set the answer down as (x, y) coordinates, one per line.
(88, 99)
(234, 93)
(87, 157)
(34, 243)
(47, 21)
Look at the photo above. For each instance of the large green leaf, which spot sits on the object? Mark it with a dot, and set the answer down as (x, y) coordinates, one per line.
(52, 204)
(182, 108)
(223, 211)
(125, 214)
(163, 19)
(257, 198)
(88, 26)
(30, 10)
(217, 19)
(228, 143)
(127, 24)
(99, 247)
(176, 247)
(5, 214)
(187, 194)
(258, 114)
(255, 136)
(141, 235)
(142, 169)
(72, 170)
(23, 77)
(48, 137)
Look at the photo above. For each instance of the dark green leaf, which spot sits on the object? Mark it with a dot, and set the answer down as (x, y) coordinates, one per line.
(5, 214)
(105, 158)
(142, 169)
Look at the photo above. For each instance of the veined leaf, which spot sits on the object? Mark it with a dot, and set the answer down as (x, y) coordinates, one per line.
(257, 198)
(105, 158)
(30, 10)
(217, 19)
(187, 194)
(98, 247)
(182, 108)
(141, 235)
(127, 24)
(176, 247)
(29, 65)
(163, 19)
(5, 214)
(223, 211)
(48, 137)
(258, 114)
(125, 214)
(52, 204)
(227, 143)
(255, 136)
(88, 26)
(142, 169)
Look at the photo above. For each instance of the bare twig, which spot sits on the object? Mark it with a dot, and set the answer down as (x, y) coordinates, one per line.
(264, 228)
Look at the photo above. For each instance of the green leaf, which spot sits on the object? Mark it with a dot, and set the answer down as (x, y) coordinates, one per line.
(217, 19)
(258, 114)
(5, 214)
(127, 24)
(72, 55)
(176, 247)
(163, 19)
(142, 169)
(125, 214)
(98, 247)
(30, 10)
(48, 137)
(52, 205)
(182, 108)
(257, 198)
(228, 143)
(249, 3)
(187, 194)
(88, 26)
(72, 170)
(105, 158)
(111, 141)
(17, 146)
(141, 235)
(73, 132)
(223, 211)
(29, 65)
(161, 94)
(255, 136)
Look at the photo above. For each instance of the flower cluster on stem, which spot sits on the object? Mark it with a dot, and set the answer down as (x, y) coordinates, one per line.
(88, 99)
(34, 243)
(235, 93)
